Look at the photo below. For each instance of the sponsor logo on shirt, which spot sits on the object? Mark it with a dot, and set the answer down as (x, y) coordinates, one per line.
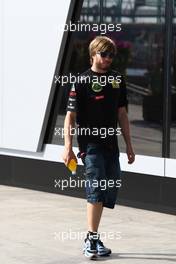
(96, 87)
(99, 97)
(72, 91)
(115, 84)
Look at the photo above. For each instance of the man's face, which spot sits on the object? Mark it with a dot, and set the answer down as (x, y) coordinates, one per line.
(103, 60)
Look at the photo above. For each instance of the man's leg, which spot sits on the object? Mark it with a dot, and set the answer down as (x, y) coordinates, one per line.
(94, 212)
(95, 171)
(95, 247)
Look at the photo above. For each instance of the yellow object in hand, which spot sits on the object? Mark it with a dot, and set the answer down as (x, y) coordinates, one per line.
(72, 166)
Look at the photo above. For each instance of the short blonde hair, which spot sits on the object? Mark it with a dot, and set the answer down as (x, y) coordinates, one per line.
(101, 43)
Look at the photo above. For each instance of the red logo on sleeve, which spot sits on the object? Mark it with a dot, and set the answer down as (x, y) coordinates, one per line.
(72, 93)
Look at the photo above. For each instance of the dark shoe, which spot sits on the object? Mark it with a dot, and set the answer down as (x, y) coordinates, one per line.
(89, 249)
(102, 250)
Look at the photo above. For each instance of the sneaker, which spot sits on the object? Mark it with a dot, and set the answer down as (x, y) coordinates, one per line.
(89, 249)
(101, 249)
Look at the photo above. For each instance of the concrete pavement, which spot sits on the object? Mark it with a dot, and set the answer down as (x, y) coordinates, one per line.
(45, 228)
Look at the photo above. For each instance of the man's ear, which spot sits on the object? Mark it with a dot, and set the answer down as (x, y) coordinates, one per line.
(91, 60)
(93, 57)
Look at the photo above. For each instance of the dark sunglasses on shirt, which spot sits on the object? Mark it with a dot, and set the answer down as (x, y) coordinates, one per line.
(105, 54)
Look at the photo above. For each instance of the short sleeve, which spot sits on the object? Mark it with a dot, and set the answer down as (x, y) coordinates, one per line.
(71, 104)
(123, 101)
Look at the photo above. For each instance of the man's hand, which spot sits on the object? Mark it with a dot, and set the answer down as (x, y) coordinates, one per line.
(130, 154)
(67, 155)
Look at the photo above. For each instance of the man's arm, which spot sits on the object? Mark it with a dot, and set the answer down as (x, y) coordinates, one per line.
(69, 123)
(125, 128)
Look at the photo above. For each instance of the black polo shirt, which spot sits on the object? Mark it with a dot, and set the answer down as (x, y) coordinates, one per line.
(95, 98)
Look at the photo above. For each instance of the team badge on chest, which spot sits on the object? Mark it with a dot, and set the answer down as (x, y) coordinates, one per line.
(96, 87)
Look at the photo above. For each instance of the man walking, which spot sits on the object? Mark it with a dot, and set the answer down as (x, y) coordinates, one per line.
(97, 104)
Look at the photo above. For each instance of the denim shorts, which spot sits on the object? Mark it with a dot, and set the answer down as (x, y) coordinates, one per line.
(103, 175)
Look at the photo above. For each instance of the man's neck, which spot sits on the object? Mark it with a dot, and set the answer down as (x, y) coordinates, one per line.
(95, 69)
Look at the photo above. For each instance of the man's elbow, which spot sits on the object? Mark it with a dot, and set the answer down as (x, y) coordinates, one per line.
(122, 113)
(71, 115)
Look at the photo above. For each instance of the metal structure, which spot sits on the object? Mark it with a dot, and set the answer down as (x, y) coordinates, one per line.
(115, 10)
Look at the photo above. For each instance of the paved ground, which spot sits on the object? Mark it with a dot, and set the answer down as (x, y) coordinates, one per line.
(44, 228)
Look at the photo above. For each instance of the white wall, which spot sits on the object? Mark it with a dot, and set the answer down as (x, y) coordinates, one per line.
(31, 40)
(143, 164)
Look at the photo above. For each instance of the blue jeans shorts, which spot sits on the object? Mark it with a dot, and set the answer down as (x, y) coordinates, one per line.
(103, 175)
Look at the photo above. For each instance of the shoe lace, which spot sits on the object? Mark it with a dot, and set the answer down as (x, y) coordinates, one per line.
(100, 243)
